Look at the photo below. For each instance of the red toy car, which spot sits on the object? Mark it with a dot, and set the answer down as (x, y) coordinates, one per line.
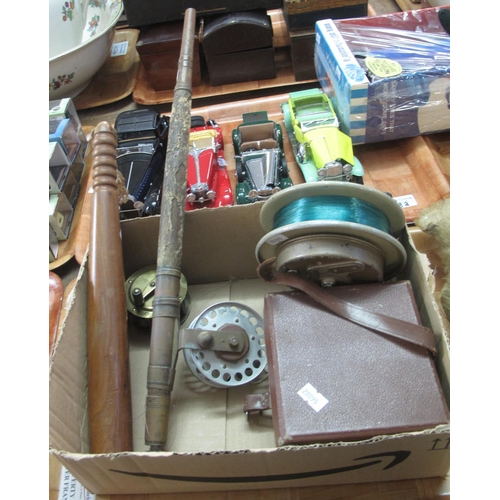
(208, 184)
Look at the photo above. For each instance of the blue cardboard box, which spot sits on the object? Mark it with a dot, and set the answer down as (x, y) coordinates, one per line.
(388, 76)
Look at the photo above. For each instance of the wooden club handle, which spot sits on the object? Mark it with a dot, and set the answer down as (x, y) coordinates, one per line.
(109, 393)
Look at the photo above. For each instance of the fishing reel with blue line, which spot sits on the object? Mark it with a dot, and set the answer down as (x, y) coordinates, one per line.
(333, 233)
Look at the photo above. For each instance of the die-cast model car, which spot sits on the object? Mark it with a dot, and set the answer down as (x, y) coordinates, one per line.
(261, 167)
(322, 150)
(208, 184)
(140, 154)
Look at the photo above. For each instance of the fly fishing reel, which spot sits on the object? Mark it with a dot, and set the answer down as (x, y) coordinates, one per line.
(224, 346)
(140, 290)
(333, 232)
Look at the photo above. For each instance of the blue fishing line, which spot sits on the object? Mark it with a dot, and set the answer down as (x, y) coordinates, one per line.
(332, 208)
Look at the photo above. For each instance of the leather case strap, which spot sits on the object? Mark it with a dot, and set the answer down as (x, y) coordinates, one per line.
(380, 323)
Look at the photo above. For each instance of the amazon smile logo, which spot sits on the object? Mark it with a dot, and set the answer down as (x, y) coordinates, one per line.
(395, 458)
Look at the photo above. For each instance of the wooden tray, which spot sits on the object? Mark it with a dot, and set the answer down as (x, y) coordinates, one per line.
(408, 168)
(412, 166)
(408, 5)
(145, 94)
(116, 79)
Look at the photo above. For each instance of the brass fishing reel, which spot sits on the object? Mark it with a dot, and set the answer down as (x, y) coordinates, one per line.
(224, 346)
(140, 290)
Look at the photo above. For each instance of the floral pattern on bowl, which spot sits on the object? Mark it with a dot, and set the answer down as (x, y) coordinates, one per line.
(71, 71)
(93, 25)
(66, 25)
(98, 16)
(98, 3)
(67, 11)
(58, 82)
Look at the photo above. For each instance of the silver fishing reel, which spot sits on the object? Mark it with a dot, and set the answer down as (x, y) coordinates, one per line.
(224, 346)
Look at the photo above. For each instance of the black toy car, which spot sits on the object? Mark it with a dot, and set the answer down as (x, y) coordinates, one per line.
(142, 145)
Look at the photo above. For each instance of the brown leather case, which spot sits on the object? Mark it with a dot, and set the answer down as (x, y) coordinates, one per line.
(159, 49)
(302, 44)
(333, 380)
(145, 12)
(305, 13)
(237, 67)
(237, 32)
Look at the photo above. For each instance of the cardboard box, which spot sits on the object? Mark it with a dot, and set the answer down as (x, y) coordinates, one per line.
(62, 180)
(211, 444)
(53, 244)
(64, 131)
(60, 215)
(407, 92)
(65, 108)
(57, 155)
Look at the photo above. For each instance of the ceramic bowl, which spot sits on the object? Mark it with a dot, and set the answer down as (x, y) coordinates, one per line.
(71, 71)
(66, 25)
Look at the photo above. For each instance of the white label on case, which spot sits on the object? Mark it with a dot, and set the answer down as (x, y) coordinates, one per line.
(276, 239)
(407, 200)
(313, 398)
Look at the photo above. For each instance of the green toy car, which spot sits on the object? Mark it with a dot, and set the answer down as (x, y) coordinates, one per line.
(261, 167)
(322, 150)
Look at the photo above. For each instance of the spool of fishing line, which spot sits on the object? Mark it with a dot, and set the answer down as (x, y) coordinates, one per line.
(333, 233)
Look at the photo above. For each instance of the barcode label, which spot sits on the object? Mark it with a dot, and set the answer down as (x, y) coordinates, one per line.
(119, 49)
(276, 239)
(408, 200)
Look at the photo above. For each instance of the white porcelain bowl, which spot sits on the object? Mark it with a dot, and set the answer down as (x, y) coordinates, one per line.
(67, 20)
(71, 71)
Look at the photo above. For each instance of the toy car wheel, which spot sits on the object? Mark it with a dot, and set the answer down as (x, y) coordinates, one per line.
(197, 121)
(357, 179)
(240, 176)
(284, 168)
(301, 153)
(286, 116)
